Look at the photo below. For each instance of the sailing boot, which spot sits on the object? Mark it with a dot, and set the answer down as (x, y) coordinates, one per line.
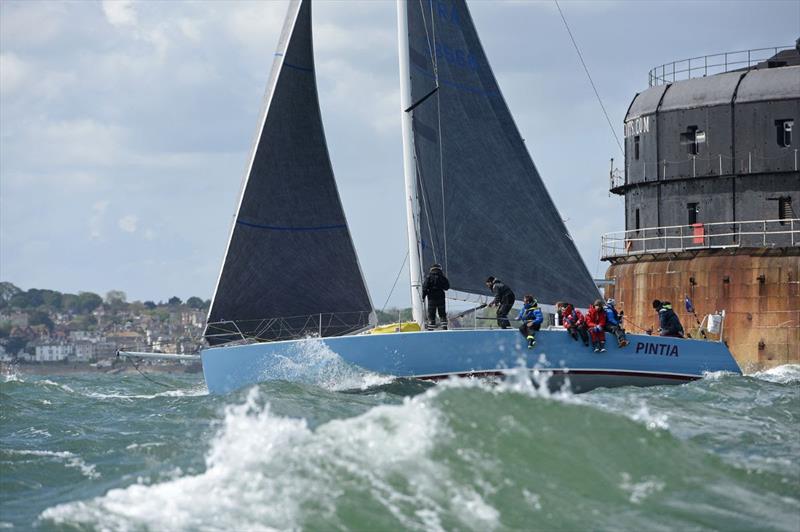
(531, 342)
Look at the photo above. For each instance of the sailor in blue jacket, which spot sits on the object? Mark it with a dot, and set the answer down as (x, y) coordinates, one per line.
(614, 322)
(531, 317)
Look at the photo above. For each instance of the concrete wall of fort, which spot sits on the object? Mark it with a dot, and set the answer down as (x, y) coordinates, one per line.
(760, 293)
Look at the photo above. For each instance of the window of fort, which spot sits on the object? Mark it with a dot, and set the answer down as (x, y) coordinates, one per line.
(783, 128)
(692, 209)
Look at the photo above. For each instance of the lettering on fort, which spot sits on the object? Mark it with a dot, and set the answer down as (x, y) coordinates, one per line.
(637, 126)
(651, 348)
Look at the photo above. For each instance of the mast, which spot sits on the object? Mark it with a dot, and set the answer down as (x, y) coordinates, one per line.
(409, 166)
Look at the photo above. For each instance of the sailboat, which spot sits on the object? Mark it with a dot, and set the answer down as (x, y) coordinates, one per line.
(291, 283)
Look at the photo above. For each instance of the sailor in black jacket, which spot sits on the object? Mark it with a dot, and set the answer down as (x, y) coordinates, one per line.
(669, 324)
(433, 289)
(503, 300)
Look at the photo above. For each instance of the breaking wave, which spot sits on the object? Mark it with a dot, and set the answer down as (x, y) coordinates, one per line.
(467, 455)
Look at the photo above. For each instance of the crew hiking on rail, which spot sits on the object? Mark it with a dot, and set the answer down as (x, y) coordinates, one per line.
(668, 322)
(573, 321)
(531, 317)
(596, 321)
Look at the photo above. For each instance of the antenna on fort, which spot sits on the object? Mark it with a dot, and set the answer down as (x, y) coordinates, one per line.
(615, 178)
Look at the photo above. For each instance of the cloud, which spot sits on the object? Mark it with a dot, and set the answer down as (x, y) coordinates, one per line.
(31, 24)
(128, 223)
(82, 141)
(97, 219)
(120, 13)
(256, 24)
(13, 73)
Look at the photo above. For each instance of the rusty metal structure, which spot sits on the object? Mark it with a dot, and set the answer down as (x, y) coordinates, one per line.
(712, 197)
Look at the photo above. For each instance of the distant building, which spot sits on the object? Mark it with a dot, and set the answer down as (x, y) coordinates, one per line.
(85, 351)
(130, 340)
(16, 319)
(52, 352)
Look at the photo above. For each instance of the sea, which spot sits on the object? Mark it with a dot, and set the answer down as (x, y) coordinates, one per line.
(354, 451)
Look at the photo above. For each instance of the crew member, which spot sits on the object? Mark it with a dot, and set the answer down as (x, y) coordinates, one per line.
(433, 289)
(573, 321)
(596, 321)
(531, 317)
(503, 300)
(668, 322)
(614, 322)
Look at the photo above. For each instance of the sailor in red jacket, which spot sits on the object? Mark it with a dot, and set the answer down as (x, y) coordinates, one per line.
(573, 321)
(596, 321)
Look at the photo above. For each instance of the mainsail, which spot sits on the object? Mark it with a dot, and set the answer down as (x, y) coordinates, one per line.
(483, 208)
(290, 268)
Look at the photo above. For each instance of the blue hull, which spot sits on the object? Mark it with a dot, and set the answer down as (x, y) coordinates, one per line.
(648, 360)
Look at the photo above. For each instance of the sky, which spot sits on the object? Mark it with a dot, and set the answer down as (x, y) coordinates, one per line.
(125, 127)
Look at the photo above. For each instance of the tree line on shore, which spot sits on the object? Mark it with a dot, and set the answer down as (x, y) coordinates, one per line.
(41, 305)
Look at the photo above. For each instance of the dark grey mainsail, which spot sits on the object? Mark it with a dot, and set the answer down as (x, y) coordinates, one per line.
(483, 206)
(290, 268)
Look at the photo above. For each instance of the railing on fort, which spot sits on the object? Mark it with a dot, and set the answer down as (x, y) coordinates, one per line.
(707, 65)
(699, 236)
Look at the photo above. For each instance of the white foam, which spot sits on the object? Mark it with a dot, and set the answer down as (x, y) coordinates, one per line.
(187, 392)
(265, 471)
(650, 420)
(69, 459)
(717, 375)
(785, 374)
(532, 499)
(11, 374)
(313, 362)
(48, 382)
(639, 491)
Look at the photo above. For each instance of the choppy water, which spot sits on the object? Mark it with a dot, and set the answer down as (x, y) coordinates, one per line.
(112, 452)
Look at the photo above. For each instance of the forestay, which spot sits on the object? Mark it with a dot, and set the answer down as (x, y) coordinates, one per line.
(290, 268)
(483, 206)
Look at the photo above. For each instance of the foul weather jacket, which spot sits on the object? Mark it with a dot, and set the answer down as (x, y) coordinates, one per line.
(572, 317)
(502, 293)
(531, 313)
(612, 317)
(668, 321)
(434, 286)
(596, 318)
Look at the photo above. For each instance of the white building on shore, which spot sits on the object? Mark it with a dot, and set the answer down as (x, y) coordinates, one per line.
(53, 352)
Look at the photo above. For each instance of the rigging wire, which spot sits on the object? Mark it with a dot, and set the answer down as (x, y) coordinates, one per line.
(395, 281)
(136, 366)
(431, 40)
(439, 126)
(586, 69)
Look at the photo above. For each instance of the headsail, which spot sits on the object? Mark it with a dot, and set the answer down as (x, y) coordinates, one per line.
(483, 206)
(290, 268)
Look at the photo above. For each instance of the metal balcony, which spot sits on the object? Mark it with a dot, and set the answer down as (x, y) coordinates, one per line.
(700, 236)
